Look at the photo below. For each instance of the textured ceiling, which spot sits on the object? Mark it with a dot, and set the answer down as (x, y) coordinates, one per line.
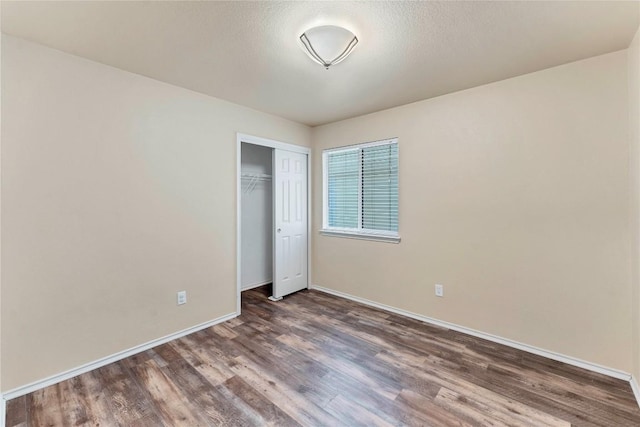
(247, 52)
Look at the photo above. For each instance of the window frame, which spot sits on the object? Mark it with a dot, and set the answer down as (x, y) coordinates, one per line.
(356, 233)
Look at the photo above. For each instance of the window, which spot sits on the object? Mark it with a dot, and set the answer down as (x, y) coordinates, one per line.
(361, 191)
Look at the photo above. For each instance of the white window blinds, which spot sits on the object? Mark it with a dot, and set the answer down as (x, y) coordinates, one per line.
(380, 187)
(344, 176)
(361, 188)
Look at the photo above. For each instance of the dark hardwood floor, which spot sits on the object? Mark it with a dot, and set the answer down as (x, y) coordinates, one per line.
(314, 359)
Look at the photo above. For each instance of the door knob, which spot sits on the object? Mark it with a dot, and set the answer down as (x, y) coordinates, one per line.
(279, 230)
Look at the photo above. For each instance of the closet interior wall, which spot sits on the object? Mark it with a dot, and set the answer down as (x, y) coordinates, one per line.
(256, 216)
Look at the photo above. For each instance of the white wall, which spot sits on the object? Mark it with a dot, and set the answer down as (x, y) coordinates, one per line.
(257, 218)
(117, 191)
(515, 196)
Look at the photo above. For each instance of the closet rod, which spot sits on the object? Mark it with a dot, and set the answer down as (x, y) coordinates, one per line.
(254, 179)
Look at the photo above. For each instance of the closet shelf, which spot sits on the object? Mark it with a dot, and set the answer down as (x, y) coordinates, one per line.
(255, 175)
(253, 179)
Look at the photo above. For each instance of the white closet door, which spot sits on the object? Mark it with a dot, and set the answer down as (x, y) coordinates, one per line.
(290, 222)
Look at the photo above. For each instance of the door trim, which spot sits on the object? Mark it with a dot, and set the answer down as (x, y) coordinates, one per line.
(265, 142)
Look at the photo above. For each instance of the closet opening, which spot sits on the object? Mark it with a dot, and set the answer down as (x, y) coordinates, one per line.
(256, 216)
(272, 221)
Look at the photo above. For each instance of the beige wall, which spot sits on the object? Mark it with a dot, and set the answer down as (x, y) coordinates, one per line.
(633, 54)
(117, 191)
(515, 196)
(1, 39)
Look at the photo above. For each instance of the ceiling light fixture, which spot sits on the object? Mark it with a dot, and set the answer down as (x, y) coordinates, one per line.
(328, 45)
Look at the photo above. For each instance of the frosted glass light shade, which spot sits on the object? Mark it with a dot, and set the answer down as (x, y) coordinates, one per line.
(328, 45)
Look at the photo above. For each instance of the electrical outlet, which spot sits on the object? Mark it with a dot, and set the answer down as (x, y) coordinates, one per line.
(182, 297)
(439, 290)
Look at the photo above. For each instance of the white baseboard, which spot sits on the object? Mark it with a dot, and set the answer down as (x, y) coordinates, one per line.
(510, 343)
(54, 379)
(636, 388)
(256, 285)
(3, 411)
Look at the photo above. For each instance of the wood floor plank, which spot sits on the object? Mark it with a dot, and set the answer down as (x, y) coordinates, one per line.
(436, 415)
(392, 411)
(460, 406)
(296, 405)
(347, 367)
(94, 396)
(195, 353)
(45, 408)
(125, 396)
(353, 414)
(17, 412)
(292, 372)
(583, 394)
(503, 409)
(314, 359)
(555, 400)
(78, 407)
(216, 404)
(268, 410)
(224, 331)
(170, 404)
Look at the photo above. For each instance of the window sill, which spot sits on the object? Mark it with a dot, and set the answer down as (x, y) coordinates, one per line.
(362, 236)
